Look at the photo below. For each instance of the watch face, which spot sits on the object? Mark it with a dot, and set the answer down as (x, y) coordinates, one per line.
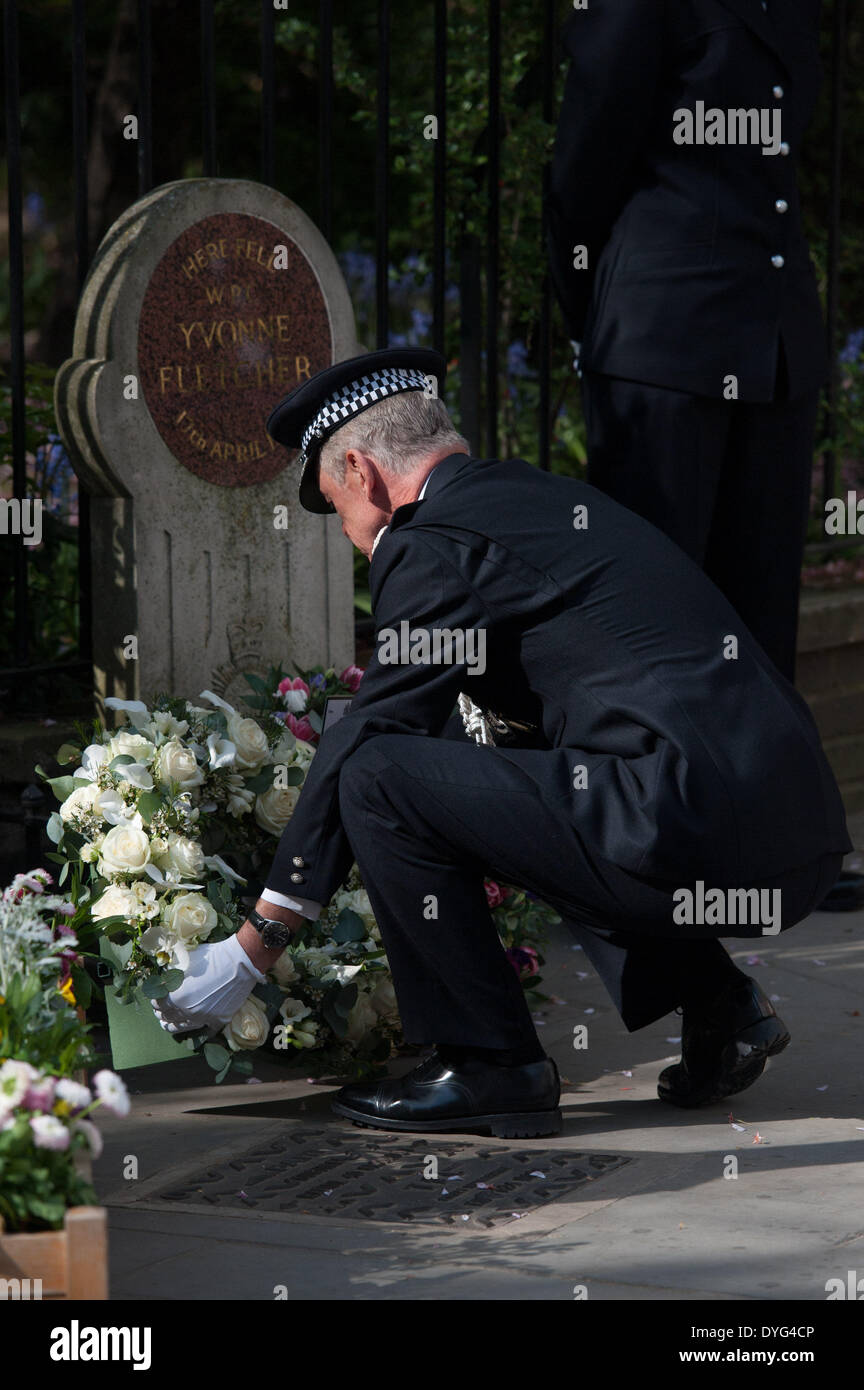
(275, 934)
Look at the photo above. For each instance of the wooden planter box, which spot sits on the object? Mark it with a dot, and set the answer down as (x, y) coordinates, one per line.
(71, 1264)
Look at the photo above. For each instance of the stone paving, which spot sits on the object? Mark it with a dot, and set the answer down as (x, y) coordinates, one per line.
(634, 1201)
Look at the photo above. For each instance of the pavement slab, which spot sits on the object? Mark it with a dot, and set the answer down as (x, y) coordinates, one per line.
(759, 1200)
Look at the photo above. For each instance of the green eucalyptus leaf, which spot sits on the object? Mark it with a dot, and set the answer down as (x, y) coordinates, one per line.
(154, 987)
(216, 1056)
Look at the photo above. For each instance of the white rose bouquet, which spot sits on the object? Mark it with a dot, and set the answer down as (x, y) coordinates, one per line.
(159, 828)
(145, 821)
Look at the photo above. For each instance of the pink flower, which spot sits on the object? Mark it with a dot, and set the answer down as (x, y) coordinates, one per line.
(495, 894)
(295, 694)
(524, 961)
(49, 1132)
(40, 1095)
(352, 676)
(301, 728)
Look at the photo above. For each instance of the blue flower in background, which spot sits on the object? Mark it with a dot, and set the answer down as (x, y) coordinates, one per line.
(318, 681)
(854, 346)
(517, 360)
(34, 208)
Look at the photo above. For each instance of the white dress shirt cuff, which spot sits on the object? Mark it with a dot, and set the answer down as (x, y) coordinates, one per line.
(304, 906)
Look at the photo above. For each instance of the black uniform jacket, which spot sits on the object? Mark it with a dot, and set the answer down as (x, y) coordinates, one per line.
(700, 762)
(697, 263)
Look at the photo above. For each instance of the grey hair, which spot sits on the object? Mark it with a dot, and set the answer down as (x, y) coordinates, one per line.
(399, 432)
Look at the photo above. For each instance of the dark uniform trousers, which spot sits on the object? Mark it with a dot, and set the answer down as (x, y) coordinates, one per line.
(427, 818)
(728, 481)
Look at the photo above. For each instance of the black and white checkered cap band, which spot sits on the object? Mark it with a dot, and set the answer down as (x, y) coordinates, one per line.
(357, 395)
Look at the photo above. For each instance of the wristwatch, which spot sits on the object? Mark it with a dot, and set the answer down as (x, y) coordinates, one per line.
(272, 932)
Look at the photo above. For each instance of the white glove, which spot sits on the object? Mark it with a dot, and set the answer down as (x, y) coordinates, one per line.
(220, 978)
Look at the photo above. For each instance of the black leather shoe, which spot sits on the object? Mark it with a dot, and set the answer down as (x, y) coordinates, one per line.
(724, 1047)
(846, 895)
(509, 1102)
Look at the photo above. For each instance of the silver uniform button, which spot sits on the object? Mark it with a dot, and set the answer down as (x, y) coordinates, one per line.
(297, 862)
(784, 147)
(781, 205)
(296, 878)
(778, 262)
(778, 92)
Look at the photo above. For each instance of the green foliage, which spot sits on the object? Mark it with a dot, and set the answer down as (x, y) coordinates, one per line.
(37, 1184)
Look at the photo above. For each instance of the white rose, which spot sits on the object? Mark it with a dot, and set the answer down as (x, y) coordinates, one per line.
(190, 916)
(183, 855)
(361, 1020)
(178, 764)
(116, 902)
(79, 802)
(249, 1027)
(125, 850)
(383, 1000)
(275, 807)
(284, 971)
(139, 747)
(250, 742)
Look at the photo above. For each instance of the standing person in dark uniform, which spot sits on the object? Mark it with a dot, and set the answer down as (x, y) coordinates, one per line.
(671, 764)
(695, 302)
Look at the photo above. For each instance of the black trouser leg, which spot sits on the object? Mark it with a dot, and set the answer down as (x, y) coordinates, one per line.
(728, 481)
(427, 818)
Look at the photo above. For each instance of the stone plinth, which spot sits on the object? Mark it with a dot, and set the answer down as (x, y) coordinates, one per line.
(208, 301)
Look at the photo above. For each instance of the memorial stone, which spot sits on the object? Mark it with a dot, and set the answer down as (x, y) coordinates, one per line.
(207, 301)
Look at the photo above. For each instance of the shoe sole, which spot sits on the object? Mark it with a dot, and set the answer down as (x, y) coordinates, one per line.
(763, 1043)
(527, 1125)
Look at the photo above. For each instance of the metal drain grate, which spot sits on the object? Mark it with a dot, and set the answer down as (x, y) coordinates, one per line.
(382, 1177)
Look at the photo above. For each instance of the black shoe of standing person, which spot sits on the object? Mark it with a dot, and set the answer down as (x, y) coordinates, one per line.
(846, 895)
(724, 1046)
(462, 1093)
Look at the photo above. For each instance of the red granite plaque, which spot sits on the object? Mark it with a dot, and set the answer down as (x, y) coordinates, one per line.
(229, 325)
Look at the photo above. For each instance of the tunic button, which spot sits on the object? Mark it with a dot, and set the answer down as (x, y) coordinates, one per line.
(296, 878)
(781, 205)
(784, 147)
(778, 92)
(778, 262)
(297, 862)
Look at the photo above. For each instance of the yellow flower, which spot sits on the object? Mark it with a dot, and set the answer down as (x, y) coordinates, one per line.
(62, 1107)
(66, 991)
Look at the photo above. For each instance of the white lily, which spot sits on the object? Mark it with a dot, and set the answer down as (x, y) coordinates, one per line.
(215, 700)
(94, 755)
(130, 706)
(137, 774)
(164, 947)
(113, 809)
(221, 750)
(215, 861)
(344, 973)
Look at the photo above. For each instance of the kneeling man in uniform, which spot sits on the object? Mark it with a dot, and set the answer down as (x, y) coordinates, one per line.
(669, 787)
